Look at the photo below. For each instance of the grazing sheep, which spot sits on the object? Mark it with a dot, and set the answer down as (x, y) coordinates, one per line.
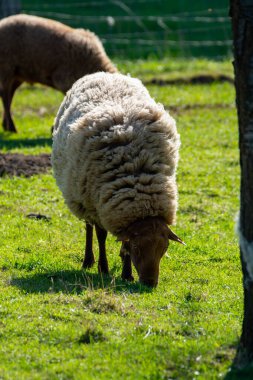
(115, 153)
(35, 49)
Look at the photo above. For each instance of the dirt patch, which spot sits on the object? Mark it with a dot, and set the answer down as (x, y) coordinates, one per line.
(197, 79)
(27, 165)
(189, 107)
(15, 164)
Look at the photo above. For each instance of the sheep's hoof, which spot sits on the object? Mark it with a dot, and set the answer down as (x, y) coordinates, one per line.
(127, 278)
(88, 263)
(103, 269)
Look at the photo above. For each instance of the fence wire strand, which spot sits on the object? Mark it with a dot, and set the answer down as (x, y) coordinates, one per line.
(146, 27)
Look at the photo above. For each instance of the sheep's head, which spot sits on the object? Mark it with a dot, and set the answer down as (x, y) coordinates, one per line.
(146, 241)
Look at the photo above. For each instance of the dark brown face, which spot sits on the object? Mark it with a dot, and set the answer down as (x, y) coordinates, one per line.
(147, 242)
(146, 253)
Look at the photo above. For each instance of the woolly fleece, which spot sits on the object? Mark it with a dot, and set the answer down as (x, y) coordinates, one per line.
(37, 49)
(115, 153)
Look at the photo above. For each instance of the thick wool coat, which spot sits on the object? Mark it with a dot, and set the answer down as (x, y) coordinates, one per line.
(115, 153)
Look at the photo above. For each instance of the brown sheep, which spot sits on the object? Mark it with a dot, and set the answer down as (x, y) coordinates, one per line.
(36, 49)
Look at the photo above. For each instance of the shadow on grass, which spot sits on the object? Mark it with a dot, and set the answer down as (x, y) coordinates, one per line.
(75, 282)
(240, 374)
(23, 143)
(241, 367)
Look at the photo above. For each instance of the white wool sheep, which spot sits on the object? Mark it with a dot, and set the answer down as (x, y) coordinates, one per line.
(115, 153)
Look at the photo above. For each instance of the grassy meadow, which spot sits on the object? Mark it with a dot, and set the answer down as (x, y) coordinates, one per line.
(59, 322)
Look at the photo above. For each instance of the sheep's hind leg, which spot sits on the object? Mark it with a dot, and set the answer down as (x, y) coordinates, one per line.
(102, 262)
(89, 258)
(126, 263)
(7, 95)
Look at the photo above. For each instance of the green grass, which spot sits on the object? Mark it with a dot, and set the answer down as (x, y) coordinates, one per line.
(170, 68)
(58, 322)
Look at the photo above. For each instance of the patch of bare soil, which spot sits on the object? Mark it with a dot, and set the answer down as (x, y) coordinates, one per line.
(189, 107)
(16, 164)
(197, 79)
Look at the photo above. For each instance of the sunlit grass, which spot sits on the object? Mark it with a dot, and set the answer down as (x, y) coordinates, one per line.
(171, 68)
(59, 322)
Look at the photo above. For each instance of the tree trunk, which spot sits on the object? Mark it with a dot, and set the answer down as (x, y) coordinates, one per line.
(241, 12)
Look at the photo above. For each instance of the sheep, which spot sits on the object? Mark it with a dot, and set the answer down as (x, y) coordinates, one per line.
(114, 158)
(36, 49)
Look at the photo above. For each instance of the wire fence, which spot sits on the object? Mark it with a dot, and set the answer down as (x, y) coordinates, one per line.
(142, 28)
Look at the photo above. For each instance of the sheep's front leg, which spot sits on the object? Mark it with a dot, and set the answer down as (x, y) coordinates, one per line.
(126, 263)
(89, 258)
(102, 261)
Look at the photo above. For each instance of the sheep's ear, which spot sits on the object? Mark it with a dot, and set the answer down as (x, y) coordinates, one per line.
(173, 236)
